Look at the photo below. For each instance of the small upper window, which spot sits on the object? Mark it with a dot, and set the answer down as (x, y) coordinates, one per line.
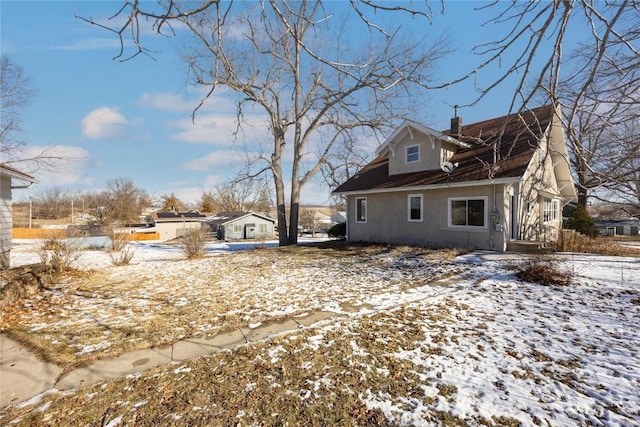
(413, 153)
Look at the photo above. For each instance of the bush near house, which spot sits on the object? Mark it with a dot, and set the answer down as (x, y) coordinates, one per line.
(338, 230)
(580, 221)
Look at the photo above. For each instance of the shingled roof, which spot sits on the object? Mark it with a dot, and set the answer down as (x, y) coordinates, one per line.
(516, 137)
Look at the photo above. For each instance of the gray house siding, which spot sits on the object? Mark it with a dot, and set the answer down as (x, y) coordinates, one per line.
(249, 226)
(388, 219)
(6, 220)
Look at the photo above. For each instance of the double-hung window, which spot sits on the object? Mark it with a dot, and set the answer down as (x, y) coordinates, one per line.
(413, 153)
(471, 212)
(414, 207)
(550, 210)
(361, 209)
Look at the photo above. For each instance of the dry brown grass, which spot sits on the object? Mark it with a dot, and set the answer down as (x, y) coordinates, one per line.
(576, 242)
(315, 377)
(105, 313)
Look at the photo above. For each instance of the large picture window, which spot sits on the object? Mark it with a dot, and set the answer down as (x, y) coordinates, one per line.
(414, 207)
(413, 153)
(468, 212)
(361, 209)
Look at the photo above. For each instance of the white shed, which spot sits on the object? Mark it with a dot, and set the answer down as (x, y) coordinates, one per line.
(241, 225)
(10, 179)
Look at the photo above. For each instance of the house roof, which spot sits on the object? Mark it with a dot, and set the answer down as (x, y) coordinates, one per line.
(177, 216)
(410, 126)
(516, 138)
(227, 217)
(14, 173)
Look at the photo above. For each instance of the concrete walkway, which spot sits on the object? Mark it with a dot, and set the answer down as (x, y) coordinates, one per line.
(23, 375)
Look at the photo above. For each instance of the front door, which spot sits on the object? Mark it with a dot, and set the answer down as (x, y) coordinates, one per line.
(250, 231)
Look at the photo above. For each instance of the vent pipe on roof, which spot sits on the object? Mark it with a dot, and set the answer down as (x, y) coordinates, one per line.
(456, 122)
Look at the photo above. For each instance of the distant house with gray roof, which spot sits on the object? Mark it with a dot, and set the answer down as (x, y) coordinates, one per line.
(241, 225)
(171, 225)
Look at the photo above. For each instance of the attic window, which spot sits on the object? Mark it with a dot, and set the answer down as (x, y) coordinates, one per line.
(413, 153)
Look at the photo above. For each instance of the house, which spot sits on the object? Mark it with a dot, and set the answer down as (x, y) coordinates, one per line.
(171, 225)
(618, 227)
(487, 185)
(339, 217)
(10, 179)
(241, 225)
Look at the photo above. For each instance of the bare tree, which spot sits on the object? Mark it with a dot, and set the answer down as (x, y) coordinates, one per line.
(171, 203)
(125, 201)
(55, 203)
(15, 94)
(97, 205)
(291, 61)
(623, 185)
(597, 82)
(207, 202)
(312, 95)
(242, 194)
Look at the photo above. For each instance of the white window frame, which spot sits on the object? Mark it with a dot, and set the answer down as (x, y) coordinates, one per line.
(357, 218)
(237, 228)
(413, 196)
(550, 209)
(417, 153)
(262, 228)
(485, 199)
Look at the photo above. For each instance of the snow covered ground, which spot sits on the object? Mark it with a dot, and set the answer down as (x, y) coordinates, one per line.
(483, 346)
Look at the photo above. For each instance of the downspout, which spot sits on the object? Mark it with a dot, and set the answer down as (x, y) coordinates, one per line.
(494, 213)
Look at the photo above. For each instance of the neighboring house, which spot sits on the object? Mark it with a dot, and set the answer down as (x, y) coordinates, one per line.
(481, 186)
(620, 227)
(170, 225)
(10, 179)
(241, 225)
(339, 217)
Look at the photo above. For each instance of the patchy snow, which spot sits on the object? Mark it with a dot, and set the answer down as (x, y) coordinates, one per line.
(489, 346)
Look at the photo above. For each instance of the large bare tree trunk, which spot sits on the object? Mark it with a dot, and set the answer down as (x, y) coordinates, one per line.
(276, 169)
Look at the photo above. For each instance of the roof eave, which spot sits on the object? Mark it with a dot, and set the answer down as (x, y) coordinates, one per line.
(478, 183)
(420, 128)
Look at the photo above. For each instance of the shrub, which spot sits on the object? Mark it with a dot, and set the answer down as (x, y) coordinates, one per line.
(542, 270)
(338, 230)
(580, 221)
(193, 243)
(59, 253)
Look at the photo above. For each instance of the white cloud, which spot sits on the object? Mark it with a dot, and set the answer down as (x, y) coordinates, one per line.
(68, 167)
(104, 123)
(91, 44)
(166, 102)
(220, 101)
(218, 129)
(223, 159)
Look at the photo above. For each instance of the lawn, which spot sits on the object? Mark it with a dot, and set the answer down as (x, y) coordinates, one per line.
(482, 348)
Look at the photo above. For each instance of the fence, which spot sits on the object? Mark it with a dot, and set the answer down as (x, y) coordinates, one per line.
(56, 233)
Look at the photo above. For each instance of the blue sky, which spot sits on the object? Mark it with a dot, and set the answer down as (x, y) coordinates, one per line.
(133, 119)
